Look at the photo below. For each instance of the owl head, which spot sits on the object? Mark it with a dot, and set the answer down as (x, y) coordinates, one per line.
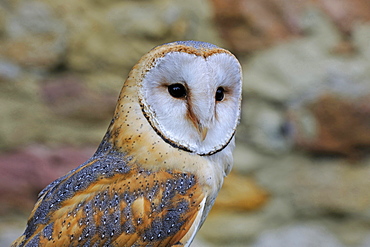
(190, 94)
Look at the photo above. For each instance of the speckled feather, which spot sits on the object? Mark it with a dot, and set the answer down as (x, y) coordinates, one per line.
(107, 202)
(139, 188)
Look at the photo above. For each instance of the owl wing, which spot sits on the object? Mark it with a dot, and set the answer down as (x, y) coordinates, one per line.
(106, 202)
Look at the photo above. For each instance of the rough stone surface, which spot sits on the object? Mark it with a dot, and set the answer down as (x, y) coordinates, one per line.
(68, 96)
(11, 228)
(266, 126)
(30, 24)
(332, 118)
(232, 228)
(366, 242)
(298, 94)
(292, 70)
(114, 36)
(322, 186)
(247, 160)
(250, 25)
(240, 193)
(317, 186)
(24, 173)
(298, 235)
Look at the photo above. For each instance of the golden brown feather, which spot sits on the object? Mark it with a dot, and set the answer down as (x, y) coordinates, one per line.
(122, 206)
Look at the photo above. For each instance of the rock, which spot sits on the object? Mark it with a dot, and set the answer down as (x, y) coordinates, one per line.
(11, 227)
(232, 228)
(236, 228)
(247, 159)
(26, 172)
(350, 231)
(33, 23)
(322, 188)
(330, 131)
(346, 13)
(366, 242)
(275, 176)
(114, 36)
(266, 127)
(30, 118)
(288, 71)
(198, 242)
(251, 25)
(22, 115)
(9, 70)
(148, 23)
(360, 35)
(277, 212)
(3, 16)
(248, 26)
(299, 73)
(67, 96)
(306, 67)
(240, 193)
(317, 187)
(298, 235)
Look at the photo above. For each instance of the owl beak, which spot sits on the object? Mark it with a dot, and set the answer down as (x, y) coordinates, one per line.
(200, 128)
(203, 132)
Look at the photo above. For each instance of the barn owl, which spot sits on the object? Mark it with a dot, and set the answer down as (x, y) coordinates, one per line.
(159, 167)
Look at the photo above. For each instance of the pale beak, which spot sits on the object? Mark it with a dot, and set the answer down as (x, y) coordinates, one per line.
(203, 132)
(200, 115)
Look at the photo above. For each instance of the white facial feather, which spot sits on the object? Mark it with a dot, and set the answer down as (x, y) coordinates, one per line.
(201, 78)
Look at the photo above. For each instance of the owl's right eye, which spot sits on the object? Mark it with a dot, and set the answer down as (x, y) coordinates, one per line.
(177, 90)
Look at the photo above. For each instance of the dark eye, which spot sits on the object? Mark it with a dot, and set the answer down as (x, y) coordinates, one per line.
(177, 90)
(219, 94)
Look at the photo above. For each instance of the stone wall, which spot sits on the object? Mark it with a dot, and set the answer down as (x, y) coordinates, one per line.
(302, 167)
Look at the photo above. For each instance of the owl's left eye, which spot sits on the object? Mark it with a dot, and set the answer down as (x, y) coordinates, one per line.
(177, 90)
(220, 94)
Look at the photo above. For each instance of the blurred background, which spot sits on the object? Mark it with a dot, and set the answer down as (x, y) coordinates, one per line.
(302, 165)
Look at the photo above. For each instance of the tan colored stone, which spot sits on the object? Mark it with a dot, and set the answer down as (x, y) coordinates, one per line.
(320, 187)
(346, 13)
(253, 25)
(250, 25)
(69, 97)
(28, 51)
(240, 193)
(34, 36)
(113, 36)
(341, 126)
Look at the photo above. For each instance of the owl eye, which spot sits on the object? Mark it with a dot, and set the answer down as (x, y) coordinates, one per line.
(219, 94)
(177, 90)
